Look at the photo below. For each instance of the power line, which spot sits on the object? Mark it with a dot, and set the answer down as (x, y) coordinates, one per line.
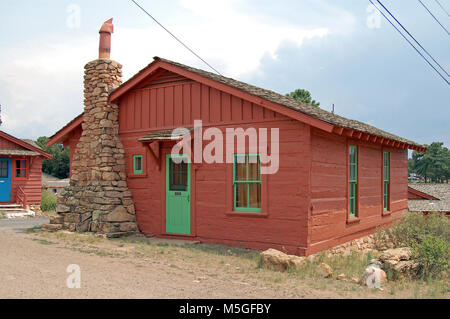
(410, 43)
(401, 25)
(442, 7)
(434, 17)
(181, 42)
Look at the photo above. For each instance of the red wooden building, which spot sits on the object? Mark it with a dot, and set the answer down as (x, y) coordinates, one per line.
(20, 171)
(338, 179)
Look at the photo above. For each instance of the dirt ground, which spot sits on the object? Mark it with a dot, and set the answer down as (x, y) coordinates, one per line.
(34, 265)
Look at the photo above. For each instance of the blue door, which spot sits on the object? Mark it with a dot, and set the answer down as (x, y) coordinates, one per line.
(5, 180)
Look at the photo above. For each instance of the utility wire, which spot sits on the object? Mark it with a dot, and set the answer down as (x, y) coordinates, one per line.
(434, 17)
(410, 43)
(401, 25)
(442, 7)
(181, 42)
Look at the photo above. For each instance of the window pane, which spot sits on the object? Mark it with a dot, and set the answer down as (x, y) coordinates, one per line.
(241, 195)
(352, 199)
(178, 176)
(23, 173)
(138, 163)
(386, 195)
(352, 154)
(254, 168)
(240, 168)
(353, 173)
(255, 195)
(4, 169)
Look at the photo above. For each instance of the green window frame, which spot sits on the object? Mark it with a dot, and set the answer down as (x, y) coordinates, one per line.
(247, 183)
(138, 164)
(386, 169)
(353, 180)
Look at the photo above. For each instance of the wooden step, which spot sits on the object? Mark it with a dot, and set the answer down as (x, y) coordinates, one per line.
(6, 206)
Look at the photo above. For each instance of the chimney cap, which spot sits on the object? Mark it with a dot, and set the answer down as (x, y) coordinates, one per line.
(107, 27)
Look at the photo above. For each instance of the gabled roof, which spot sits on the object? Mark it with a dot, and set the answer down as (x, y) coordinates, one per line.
(59, 136)
(330, 122)
(416, 193)
(438, 198)
(276, 102)
(31, 148)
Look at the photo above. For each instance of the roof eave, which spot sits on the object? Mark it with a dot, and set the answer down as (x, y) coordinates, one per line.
(25, 145)
(373, 138)
(60, 136)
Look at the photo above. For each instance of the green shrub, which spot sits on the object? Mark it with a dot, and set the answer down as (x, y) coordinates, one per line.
(411, 229)
(433, 254)
(48, 201)
(428, 236)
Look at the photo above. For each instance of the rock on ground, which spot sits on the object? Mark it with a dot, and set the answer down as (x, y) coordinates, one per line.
(324, 270)
(277, 260)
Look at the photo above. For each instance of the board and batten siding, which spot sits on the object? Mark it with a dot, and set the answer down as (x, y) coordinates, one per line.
(142, 109)
(285, 195)
(31, 186)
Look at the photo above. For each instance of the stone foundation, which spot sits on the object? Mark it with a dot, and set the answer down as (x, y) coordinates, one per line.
(98, 199)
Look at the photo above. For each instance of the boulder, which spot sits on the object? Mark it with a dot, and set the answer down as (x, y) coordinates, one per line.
(56, 220)
(324, 270)
(341, 277)
(119, 214)
(62, 209)
(397, 262)
(277, 260)
(396, 254)
(51, 227)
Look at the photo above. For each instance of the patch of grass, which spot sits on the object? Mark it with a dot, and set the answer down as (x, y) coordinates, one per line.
(44, 242)
(48, 201)
(33, 230)
(223, 250)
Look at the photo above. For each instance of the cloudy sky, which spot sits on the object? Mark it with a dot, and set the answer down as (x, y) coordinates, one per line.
(339, 50)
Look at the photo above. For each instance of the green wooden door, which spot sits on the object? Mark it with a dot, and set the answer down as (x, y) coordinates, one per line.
(178, 195)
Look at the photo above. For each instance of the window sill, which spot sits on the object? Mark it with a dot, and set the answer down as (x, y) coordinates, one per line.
(386, 213)
(170, 235)
(354, 220)
(247, 214)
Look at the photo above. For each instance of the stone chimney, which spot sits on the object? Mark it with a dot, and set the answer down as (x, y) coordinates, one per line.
(98, 199)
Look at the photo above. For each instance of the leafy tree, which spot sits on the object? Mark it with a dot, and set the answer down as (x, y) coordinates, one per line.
(303, 96)
(434, 165)
(59, 165)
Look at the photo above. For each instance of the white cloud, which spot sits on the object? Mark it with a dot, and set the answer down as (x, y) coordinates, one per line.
(41, 82)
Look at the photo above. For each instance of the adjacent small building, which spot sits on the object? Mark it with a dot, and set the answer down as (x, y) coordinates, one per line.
(429, 198)
(20, 171)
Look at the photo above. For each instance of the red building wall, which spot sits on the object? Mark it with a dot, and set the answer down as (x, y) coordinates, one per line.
(71, 141)
(32, 186)
(329, 224)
